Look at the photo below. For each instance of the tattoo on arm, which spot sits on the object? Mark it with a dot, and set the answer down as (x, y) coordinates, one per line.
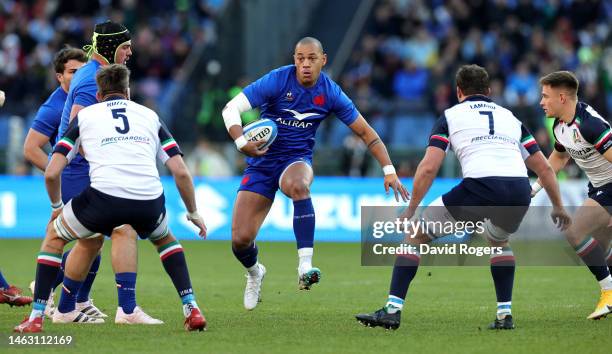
(374, 142)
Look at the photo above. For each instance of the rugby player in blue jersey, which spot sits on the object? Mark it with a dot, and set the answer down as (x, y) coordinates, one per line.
(297, 98)
(111, 43)
(44, 131)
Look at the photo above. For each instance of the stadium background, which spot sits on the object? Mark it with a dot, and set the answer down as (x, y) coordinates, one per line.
(396, 59)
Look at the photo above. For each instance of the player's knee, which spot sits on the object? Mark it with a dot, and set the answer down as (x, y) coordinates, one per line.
(164, 240)
(241, 238)
(124, 232)
(52, 241)
(573, 238)
(298, 190)
(94, 244)
(496, 236)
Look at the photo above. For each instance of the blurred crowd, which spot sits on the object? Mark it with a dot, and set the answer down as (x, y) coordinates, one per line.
(401, 73)
(163, 34)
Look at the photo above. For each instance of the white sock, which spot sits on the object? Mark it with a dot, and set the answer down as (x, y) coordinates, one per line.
(187, 308)
(394, 304)
(504, 309)
(254, 269)
(35, 313)
(606, 283)
(305, 259)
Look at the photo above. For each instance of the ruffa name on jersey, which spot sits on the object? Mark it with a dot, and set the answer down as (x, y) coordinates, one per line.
(116, 103)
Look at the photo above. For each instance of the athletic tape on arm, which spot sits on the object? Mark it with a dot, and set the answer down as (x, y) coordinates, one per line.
(233, 109)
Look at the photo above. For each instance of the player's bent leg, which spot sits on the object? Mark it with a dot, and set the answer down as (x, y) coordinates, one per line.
(589, 218)
(69, 227)
(48, 263)
(503, 265)
(173, 258)
(295, 183)
(77, 270)
(250, 210)
(124, 257)
(604, 237)
(404, 271)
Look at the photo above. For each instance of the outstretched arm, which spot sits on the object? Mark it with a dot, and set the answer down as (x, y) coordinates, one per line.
(556, 161)
(378, 149)
(546, 174)
(423, 178)
(184, 183)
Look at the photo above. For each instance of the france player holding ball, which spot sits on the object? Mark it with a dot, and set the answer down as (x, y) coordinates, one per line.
(297, 98)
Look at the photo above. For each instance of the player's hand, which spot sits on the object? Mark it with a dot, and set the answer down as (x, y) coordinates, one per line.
(561, 218)
(198, 221)
(252, 148)
(398, 188)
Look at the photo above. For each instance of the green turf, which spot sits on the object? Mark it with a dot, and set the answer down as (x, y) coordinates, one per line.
(447, 310)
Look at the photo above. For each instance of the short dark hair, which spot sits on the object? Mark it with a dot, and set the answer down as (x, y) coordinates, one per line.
(66, 54)
(114, 78)
(564, 79)
(310, 40)
(472, 80)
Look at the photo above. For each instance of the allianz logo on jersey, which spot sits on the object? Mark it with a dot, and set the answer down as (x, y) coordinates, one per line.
(297, 115)
(125, 139)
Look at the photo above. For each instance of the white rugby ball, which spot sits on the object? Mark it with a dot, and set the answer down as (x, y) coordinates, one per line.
(261, 129)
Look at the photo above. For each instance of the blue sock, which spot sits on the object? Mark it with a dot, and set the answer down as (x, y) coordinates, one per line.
(304, 223)
(248, 256)
(404, 270)
(60, 275)
(187, 299)
(126, 291)
(88, 282)
(69, 295)
(3, 283)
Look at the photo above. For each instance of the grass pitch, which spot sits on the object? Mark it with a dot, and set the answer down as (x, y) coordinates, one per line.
(447, 309)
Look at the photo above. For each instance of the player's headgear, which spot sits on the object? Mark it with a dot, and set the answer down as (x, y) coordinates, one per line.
(107, 38)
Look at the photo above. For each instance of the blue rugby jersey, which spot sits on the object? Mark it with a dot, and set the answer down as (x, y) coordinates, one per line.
(297, 111)
(82, 92)
(47, 120)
